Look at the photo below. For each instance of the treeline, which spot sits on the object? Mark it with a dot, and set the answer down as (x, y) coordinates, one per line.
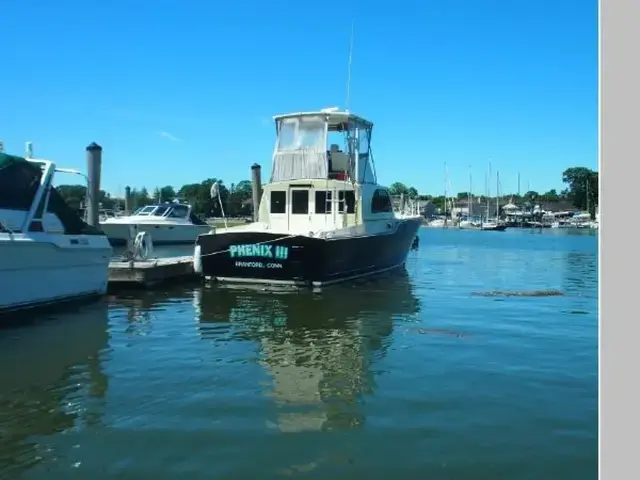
(236, 198)
(581, 191)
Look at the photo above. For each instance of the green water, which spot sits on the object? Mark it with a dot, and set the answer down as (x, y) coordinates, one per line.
(412, 375)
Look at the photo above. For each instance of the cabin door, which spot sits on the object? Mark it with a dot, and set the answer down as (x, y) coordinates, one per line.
(298, 211)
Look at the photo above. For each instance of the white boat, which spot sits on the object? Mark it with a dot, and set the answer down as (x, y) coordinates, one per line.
(166, 223)
(492, 225)
(323, 217)
(469, 224)
(439, 223)
(49, 254)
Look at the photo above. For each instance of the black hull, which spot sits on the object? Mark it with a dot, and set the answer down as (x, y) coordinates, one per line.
(261, 257)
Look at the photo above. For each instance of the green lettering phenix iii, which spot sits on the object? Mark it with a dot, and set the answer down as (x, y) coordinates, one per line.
(262, 251)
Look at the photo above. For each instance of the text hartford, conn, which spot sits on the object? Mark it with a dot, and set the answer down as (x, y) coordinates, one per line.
(263, 251)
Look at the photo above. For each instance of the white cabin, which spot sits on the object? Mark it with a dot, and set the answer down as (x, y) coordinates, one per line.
(323, 177)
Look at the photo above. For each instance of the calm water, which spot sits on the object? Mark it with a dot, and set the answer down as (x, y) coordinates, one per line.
(408, 376)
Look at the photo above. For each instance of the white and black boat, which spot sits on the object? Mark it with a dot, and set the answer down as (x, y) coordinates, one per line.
(48, 254)
(322, 219)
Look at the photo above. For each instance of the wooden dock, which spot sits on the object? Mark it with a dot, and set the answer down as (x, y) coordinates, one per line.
(149, 273)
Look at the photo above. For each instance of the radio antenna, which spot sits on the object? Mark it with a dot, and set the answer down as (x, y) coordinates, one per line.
(347, 104)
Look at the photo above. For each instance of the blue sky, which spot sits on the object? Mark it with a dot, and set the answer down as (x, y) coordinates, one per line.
(179, 91)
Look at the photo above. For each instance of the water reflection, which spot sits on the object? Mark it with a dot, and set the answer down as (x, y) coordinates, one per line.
(51, 381)
(318, 348)
(581, 271)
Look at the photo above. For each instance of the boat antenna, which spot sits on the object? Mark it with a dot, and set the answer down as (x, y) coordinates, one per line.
(348, 101)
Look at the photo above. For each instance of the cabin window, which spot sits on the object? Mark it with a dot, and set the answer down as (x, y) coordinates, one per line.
(160, 211)
(287, 135)
(178, 212)
(364, 136)
(346, 197)
(301, 133)
(323, 201)
(144, 210)
(299, 202)
(278, 202)
(381, 202)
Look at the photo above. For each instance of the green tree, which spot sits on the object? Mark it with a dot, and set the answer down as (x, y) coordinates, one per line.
(164, 194)
(198, 195)
(140, 198)
(439, 202)
(551, 196)
(582, 188)
(398, 188)
(75, 196)
(240, 199)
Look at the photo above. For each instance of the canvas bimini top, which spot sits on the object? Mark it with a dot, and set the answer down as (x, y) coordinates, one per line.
(20, 181)
(336, 119)
(323, 145)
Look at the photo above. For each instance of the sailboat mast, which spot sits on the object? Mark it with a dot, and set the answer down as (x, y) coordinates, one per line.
(488, 189)
(497, 195)
(470, 197)
(446, 179)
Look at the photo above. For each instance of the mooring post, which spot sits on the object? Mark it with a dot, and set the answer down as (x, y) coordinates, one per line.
(127, 200)
(94, 171)
(256, 189)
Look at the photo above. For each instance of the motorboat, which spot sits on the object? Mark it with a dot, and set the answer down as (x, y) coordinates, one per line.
(439, 223)
(492, 225)
(166, 223)
(48, 253)
(322, 219)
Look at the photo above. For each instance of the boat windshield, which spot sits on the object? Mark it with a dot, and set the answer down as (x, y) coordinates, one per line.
(144, 211)
(178, 211)
(151, 210)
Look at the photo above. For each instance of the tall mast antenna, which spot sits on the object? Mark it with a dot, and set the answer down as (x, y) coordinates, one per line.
(347, 103)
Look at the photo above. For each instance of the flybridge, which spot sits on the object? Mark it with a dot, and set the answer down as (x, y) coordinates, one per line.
(326, 145)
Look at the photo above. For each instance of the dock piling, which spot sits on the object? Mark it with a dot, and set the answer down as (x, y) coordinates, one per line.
(256, 189)
(127, 200)
(94, 171)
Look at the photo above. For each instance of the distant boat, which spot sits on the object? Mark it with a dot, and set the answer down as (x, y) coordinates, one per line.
(492, 225)
(166, 223)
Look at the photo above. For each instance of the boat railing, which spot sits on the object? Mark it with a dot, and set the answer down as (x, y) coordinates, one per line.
(406, 206)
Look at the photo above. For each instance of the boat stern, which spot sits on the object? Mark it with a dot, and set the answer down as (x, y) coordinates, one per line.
(258, 257)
